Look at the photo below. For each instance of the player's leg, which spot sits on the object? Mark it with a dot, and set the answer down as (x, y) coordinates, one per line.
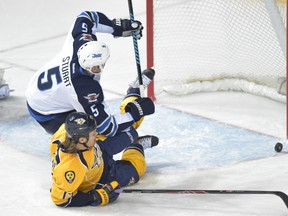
(147, 77)
(50, 123)
(132, 165)
(133, 92)
(53, 125)
(116, 144)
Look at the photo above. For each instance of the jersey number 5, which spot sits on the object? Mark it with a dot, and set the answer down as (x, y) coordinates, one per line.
(45, 81)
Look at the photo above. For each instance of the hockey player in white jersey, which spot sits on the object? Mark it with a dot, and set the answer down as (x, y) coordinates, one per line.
(71, 80)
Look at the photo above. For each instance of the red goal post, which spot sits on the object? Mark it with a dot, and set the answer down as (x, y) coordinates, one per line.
(150, 43)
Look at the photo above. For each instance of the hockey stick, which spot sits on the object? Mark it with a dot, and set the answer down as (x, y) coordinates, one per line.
(136, 50)
(280, 194)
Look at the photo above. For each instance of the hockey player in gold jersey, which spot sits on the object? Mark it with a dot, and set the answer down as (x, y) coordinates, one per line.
(84, 172)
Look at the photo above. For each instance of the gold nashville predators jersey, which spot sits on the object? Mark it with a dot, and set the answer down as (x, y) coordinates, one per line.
(73, 172)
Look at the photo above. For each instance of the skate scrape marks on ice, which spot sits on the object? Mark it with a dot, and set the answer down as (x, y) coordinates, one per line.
(25, 134)
(186, 141)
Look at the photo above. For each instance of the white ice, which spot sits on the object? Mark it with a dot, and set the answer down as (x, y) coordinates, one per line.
(191, 155)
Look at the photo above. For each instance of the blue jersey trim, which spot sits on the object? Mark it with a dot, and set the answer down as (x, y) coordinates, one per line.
(84, 14)
(40, 117)
(95, 16)
(103, 127)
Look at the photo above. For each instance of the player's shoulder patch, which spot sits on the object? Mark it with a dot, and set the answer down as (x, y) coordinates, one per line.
(70, 176)
(86, 37)
(92, 97)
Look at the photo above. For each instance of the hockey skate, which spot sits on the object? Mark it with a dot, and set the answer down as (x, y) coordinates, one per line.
(147, 141)
(147, 77)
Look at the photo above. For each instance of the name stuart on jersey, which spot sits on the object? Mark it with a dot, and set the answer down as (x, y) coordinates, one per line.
(65, 71)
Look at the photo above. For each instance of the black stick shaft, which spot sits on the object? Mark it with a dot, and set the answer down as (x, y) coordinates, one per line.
(136, 50)
(280, 194)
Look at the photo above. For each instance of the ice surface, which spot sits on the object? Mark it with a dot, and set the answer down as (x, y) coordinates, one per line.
(221, 140)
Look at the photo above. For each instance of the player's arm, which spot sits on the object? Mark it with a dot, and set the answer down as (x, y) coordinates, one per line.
(107, 123)
(91, 99)
(94, 22)
(70, 200)
(116, 27)
(101, 196)
(84, 29)
(88, 23)
(110, 125)
(64, 191)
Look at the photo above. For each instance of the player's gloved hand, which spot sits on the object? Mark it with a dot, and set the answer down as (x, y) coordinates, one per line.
(140, 107)
(124, 28)
(105, 195)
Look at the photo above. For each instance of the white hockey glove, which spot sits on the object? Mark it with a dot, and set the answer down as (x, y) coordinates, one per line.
(124, 28)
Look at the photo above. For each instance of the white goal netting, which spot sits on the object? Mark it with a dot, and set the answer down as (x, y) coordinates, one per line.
(208, 45)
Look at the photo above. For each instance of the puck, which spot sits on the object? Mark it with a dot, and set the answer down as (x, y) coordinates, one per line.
(278, 147)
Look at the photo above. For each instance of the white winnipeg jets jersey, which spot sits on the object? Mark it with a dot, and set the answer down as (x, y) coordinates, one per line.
(62, 86)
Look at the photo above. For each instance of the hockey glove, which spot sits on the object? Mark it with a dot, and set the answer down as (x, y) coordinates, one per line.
(105, 195)
(124, 28)
(140, 107)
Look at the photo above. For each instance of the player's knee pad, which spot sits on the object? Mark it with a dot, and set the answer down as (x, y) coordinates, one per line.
(135, 155)
(122, 110)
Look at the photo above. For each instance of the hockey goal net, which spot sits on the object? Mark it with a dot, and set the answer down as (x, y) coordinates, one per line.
(211, 45)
